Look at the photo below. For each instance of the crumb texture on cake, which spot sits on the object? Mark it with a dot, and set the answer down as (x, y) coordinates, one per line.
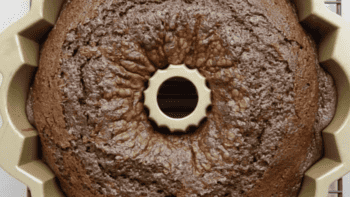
(270, 98)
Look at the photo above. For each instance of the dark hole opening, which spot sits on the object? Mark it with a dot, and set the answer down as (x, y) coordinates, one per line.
(177, 97)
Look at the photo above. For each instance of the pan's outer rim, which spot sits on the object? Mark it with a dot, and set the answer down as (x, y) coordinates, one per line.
(19, 142)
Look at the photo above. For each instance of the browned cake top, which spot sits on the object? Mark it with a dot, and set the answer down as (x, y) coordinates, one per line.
(262, 71)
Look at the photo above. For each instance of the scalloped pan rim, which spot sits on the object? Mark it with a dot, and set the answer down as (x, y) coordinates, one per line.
(19, 54)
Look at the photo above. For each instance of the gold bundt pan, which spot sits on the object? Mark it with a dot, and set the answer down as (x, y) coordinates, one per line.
(19, 55)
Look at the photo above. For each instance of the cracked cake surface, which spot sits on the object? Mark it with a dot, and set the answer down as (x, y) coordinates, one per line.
(270, 98)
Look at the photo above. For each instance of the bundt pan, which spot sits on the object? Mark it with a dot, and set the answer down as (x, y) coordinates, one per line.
(19, 56)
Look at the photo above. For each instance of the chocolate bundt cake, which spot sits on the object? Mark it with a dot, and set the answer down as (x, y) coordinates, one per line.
(270, 99)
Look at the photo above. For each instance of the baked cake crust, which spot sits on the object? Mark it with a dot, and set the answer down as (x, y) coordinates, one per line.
(264, 128)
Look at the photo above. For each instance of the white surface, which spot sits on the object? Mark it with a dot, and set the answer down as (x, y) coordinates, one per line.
(10, 12)
(10, 187)
(332, 7)
(346, 185)
(346, 10)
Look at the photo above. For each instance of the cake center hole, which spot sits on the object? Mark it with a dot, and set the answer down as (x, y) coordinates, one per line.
(177, 97)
